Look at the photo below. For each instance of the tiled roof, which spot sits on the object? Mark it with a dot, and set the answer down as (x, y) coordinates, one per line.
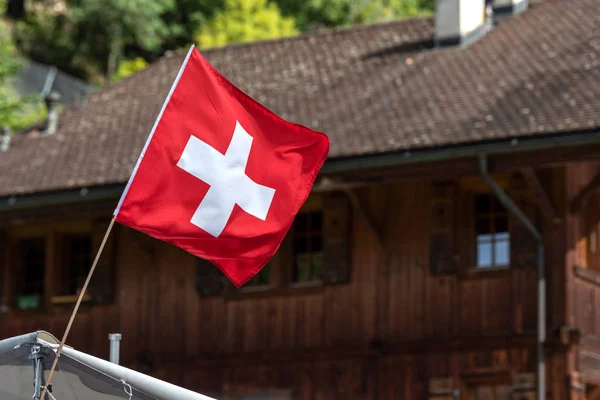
(372, 89)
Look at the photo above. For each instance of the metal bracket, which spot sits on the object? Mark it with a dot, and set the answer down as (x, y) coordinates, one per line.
(37, 358)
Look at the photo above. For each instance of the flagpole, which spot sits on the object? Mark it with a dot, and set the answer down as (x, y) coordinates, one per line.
(79, 299)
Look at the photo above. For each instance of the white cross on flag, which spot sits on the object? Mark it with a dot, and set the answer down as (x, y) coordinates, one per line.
(220, 175)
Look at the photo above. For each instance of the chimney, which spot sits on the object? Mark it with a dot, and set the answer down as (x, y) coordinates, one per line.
(461, 22)
(5, 139)
(510, 7)
(52, 101)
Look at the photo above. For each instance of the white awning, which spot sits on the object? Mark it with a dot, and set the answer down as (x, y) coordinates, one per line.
(78, 375)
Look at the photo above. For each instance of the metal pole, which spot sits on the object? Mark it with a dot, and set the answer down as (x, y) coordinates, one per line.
(38, 371)
(541, 331)
(541, 322)
(115, 343)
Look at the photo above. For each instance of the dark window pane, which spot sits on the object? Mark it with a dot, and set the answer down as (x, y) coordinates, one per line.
(301, 223)
(77, 258)
(317, 266)
(302, 268)
(32, 257)
(308, 247)
(482, 203)
(316, 222)
(316, 244)
(300, 245)
(263, 278)
(501, 224)
(498, 207)
(482, 225)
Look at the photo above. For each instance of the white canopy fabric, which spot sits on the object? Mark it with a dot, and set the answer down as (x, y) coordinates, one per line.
(78, 375)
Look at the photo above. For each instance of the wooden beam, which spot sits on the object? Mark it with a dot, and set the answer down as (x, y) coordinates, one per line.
(407, 349)
(365, 215)
(584, 194)
(546, 204)
(327, 184)
(587, 274)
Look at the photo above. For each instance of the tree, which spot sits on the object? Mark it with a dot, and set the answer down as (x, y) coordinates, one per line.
(15, 112)
(90, 37)
(317, 13)
(129, 67)
(331, 13)
(244, 21)
(114, 24)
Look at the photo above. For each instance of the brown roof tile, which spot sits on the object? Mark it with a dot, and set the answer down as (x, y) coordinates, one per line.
(372, 89)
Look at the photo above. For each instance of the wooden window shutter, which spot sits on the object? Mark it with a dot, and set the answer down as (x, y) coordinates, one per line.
(523, 246)
(336, 238)
(102, 284)
(443, 249)
(209, 279)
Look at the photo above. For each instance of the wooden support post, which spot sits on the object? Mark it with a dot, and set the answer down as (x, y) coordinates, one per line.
(365, 215)
(546, 204)
(330, 184)
(584, 194)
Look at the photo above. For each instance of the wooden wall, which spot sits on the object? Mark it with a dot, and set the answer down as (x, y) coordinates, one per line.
(383, 335)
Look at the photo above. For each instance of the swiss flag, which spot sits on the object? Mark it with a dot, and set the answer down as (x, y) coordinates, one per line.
(220, 175)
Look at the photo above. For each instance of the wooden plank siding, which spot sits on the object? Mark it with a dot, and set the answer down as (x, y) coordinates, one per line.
(383, 335)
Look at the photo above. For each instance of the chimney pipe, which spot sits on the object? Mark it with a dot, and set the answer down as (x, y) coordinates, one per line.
(510, 7)
(115, 339)
(461, 22)
(5, 139)
(52, 101)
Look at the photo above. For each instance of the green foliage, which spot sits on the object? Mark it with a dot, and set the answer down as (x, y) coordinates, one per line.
(50, 40)
(129, 67)
(244, 21)
(135, 22)
(90, 38)
(331, 13)
(20, 113)
(317, 13)
(14, 111)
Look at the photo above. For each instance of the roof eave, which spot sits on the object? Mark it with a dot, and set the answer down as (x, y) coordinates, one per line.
(444, 153)
(334, 166)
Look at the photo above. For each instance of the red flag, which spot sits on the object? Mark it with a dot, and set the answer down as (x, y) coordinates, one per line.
(220, 175)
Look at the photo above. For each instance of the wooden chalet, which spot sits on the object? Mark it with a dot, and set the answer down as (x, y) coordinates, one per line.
(461, 145)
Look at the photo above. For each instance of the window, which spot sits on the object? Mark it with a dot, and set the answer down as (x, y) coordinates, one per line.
(50, 262)
(77, 257)
(307, 252)
(315, 252)
(262, 279)
(492, 233)
(32, 263)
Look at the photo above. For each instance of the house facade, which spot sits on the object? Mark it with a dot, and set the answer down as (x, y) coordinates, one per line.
(408, 274)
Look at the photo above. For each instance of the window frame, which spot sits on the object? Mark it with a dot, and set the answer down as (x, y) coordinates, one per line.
(468, 188)
(65, 260)
(281, 278)
(491, 215)
(52, 232)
